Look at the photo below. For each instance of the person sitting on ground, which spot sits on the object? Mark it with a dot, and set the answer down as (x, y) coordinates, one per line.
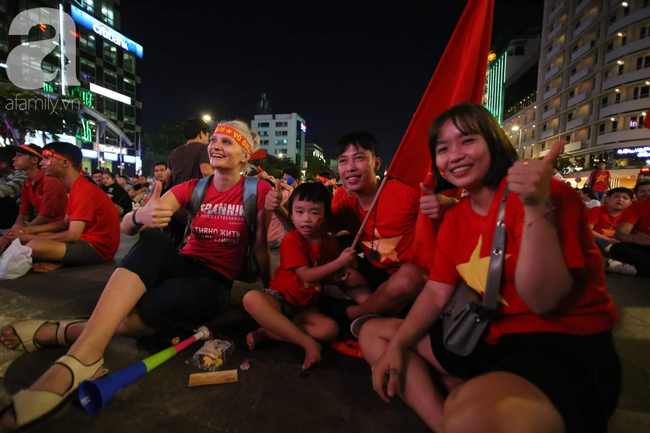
(43, 199)
(159, 174)
(123, 181)
(97, 177)
(548, 355)
(155, 287)
(139, 189)
(11, 184)
(292, 177)
(599, 181)
(89, 233)
(588, 197)
(116, 193)
(286, 311)
(642, 190)
(632, 254)
(603, 220)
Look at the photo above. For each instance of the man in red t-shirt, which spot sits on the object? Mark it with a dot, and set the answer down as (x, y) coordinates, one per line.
(599, 181)
(90, 231)
(603, 220)
(43, 199)
(633, 232)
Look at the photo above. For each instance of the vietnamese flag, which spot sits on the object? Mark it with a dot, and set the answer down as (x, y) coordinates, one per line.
(459, 77)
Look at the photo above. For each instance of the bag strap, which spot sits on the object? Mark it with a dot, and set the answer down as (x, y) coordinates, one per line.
(196, 200)
(250, 201)
(497, 255)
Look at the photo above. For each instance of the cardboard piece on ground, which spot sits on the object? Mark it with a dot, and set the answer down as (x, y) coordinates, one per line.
(214, 378)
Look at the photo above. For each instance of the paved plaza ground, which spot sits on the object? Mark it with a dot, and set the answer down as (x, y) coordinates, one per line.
(274, 395)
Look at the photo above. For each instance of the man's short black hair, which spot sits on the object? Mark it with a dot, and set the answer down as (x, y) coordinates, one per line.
(314, 193)
(360, 139)
(193, 127)
(160, 163)
(640, 184)
(7, 155)
(621, 190)
(589, 193)
(293, 172)
(71, 152)
(98, 171)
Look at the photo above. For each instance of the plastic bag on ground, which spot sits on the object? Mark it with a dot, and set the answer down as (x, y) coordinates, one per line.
(16, 261)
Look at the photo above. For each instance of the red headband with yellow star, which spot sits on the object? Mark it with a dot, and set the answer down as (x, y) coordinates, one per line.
(235, 135)
(52, 154)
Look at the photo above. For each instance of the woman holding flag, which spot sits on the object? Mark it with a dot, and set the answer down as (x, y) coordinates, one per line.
(548, 363)
(155, 287)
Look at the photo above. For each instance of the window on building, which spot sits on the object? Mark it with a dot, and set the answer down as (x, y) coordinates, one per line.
(591, 109)
(621, 69)
(129, 63)
(572, 93)
(548, 88)
(544, 127)
(609, 47)
(548, 68)
(612, 19)
(129, 114)
(110, 108)
(601, 129)
(603, 102)
(281, 124)
(593, 83)
(624, 40)
(87, 41)
(129, 87)
(3, 37)
(265, 142)
(87, 69)
(641, 120)
(645, 92)
(642, 33)
(264, 133)
(634, 122)
(567, 138)
(575, 48)
(626, 11)
(263, 125)
(573, 71)
(569, 117)
(577, 24)
(615, 126)
(588, 133)
(107, 14)
(617, 98)
(110, 80)
(595, 57)
(606, 75)
(639, 62)
(281, 142)
(89, 5)
(646, 62)
(110, 53)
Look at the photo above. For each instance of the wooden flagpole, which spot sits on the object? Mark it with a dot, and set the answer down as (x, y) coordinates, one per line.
(372, 206)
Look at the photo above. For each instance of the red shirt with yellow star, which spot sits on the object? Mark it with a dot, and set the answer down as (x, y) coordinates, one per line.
(391, 227)
(598, 180)
(296, 251)
(638, 214)
(463, 251)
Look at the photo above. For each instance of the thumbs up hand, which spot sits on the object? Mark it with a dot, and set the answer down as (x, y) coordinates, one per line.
(155, 213)
(531, 179)
(434, 205)
(274, 197)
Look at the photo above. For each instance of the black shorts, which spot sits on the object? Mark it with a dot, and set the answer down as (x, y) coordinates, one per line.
(580, 374)
(373, 275)
(182, 292)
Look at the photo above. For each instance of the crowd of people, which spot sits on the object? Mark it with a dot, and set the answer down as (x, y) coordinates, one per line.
(548, 355)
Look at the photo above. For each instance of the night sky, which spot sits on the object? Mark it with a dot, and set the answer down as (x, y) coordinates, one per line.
(342, 66)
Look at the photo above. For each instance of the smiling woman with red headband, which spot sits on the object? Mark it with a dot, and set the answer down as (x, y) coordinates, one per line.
(155, 287)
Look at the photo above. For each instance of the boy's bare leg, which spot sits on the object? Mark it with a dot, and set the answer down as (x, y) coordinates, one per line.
(47, 254)
(356, 286)
(266, 311)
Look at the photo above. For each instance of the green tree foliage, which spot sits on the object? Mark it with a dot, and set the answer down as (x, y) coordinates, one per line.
(315, 166)
(275, 166)
(156, 146)
(24, 112)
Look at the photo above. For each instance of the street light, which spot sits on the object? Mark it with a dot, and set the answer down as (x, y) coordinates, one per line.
(207, 118)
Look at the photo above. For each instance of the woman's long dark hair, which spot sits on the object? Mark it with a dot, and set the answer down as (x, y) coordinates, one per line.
(474, 119)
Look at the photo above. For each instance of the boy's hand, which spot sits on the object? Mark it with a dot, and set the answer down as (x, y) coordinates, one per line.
(348, 258)
(274, 197)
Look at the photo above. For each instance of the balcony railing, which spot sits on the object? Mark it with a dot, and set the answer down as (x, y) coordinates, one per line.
(550, 93)
(581, 51)
(583, 26)
(548, 113)
(638, 75)
(576, 99)
(556, 11)
(624, 135)
(626, 106)
(634, 46)
(579, 75)
(575, 122)
(548, 133)
(551, 73)
(637, 15)
(555, 31)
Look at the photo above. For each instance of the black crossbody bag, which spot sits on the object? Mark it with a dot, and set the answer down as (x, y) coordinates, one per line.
(466, 319)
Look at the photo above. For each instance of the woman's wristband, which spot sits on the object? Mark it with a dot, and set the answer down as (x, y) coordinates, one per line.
(135, 223)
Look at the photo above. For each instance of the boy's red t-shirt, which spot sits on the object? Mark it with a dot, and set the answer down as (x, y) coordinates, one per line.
(46, 195)
(296, 251)
(599, 180)
(391, 227)
(89, 203)
(220, 235)
(463, 249)
(604, 222)
(638, 214)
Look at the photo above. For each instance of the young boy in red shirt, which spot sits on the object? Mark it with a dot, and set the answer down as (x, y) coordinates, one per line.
(308, 256)
(89, 233)
(633, 232)
(603, 220)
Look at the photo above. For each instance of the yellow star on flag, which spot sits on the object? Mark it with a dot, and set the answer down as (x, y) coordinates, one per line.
(475, 271)
(601, 178)
(384, 246)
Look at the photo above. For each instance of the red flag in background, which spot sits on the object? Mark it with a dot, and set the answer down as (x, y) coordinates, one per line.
(459, 77)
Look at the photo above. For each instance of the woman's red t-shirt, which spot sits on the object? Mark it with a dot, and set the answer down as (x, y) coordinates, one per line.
(219, 236)
(463, 250)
